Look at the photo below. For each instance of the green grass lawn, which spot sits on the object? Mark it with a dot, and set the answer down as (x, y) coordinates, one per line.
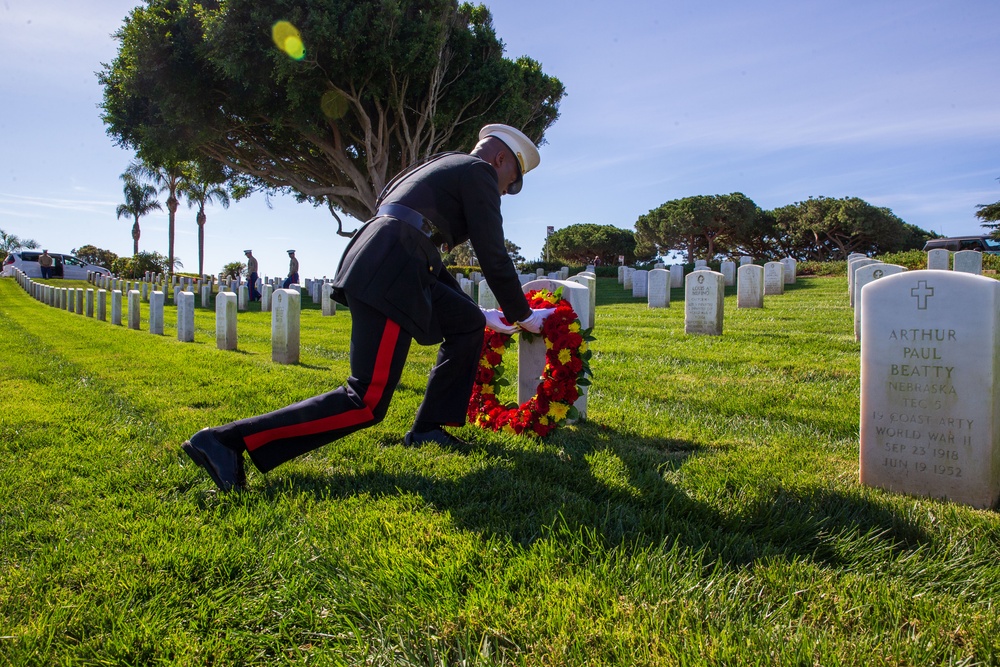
(709, 511)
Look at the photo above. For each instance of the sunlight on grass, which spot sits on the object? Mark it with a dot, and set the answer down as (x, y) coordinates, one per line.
(707, 513)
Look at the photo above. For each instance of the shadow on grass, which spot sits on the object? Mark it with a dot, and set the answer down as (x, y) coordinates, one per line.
(617, 486)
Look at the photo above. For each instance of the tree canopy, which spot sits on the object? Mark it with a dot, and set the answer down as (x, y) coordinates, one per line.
(822, 228)
(326, 99)
(703, 225)
(819, 228)
(581, 243)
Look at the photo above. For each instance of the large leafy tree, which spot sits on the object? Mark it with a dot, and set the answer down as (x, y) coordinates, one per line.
(202, 185)
(703, 225)
(373, 86)
(581, 243)
(140, 200)
(822, 228)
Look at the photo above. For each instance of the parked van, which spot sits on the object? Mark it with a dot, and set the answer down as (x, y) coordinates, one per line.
(986, 244)
(63, 265)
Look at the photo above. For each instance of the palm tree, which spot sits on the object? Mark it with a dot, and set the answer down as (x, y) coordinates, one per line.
(167, 177)
(140, 199)
(202, 185)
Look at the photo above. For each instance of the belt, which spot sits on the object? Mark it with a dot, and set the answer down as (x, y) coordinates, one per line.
(407, 215)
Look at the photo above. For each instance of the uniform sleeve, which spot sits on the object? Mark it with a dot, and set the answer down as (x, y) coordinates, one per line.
(481, 201)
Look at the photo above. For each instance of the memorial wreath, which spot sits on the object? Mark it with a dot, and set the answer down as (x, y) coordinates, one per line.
(566, 370)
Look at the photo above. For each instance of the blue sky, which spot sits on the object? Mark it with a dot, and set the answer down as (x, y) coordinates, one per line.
(896, 103)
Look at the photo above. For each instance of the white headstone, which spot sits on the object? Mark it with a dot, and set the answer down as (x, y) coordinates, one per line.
(621, 275)
(540, 272)
(939, 259)
(225, 320)
(774, 278)
(728, 271)
(244, 297)
(116, 307)
(862, 277)
(640, 285)
(791, 267)
(564, 273)
(627, 284)
(286, 305)
(852, 267)
(659, 288)
(156, 313)
(676, 276)
(930, 395)
(90, 302)
(745, 259)
(102, 305)
(531, 354)
(79, 301)
(467, 287)
(134, 297)
(750, 286)
(969, 261)
(487, 299)
(590, 282)
(206, 296)
(265, 298)
(328, 305)
(185, 317)
(704, 293)
(700, 263)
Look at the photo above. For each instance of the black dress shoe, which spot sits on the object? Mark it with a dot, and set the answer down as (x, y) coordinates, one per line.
(437, 435)
(224, 465)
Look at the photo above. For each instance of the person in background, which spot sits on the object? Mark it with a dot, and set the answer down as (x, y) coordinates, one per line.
(252, 275)
(398, 290)
(293, 270)
(45, 262)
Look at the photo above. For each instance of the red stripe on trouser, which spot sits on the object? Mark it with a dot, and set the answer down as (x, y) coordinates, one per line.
(380, 377)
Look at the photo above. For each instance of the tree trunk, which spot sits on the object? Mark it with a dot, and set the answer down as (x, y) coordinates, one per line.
(201, 242)
(135, 237)
(172, 207)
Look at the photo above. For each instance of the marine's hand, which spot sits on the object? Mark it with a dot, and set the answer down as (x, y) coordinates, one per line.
(536, 319)
(494, 321)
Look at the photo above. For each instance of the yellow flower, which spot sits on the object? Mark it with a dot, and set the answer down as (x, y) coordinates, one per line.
(564, 356)
(544, 421)
(507, 428)
(558, 410)
(484, 362)
(500, 350)
(548, 344)
(583, 346)
(487, 389)
(574, 327)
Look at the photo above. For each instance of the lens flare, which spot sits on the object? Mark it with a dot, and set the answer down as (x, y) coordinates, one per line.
(333, 104)
(287, 38)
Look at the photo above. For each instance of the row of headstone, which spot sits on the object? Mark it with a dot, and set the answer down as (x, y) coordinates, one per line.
(965, 261)
(777, 274)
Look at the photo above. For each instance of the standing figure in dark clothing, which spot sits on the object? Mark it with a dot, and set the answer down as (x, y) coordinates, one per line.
(392, 278)
(252, 275)
(293, 271)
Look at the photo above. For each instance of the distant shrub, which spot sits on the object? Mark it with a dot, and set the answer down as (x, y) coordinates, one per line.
(821, 268)
(913, 260)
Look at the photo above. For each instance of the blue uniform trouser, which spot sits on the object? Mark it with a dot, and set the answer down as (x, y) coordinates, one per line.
(379, 347)
(252, 280)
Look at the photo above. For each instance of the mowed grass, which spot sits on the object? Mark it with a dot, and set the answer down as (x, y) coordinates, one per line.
(708, 512)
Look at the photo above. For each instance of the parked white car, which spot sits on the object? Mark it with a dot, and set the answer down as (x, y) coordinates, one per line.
(63, 265)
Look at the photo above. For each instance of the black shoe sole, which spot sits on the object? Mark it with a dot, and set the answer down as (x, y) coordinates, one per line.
(199, 458)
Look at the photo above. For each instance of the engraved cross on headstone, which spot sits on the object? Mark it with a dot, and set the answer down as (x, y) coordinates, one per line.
(921, 293)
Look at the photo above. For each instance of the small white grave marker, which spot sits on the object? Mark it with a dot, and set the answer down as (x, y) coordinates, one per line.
(703, 302)
(286, 305)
